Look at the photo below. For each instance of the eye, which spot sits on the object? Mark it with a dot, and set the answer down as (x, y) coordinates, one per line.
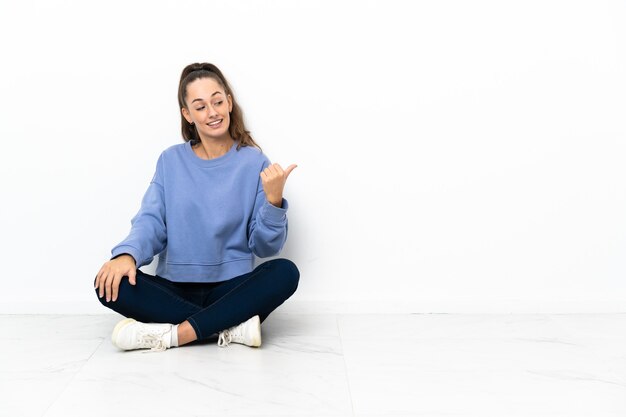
(217, 103)
(200, 108)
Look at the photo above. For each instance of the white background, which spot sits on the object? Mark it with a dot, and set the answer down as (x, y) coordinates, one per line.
(453, 156)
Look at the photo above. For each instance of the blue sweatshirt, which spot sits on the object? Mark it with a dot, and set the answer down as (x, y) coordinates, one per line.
(206, 219)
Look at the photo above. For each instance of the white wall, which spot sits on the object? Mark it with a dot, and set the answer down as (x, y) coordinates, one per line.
(453, 156)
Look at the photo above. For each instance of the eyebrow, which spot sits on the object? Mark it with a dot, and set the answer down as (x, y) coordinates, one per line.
(200, 99)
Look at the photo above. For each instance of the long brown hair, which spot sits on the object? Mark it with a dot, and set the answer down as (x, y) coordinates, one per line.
(237, 129)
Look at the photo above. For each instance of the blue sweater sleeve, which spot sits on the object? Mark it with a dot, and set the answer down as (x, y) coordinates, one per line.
(148, 235)
(268, 227)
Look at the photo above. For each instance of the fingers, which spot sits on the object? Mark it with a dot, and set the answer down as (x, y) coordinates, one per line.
(132, 276)
(269, 171)
(95, 285)
(279, 171)
(116, 285)
(273, 178)
(99, 277)
(268, 174)
(275, 170)
(111, 274)
(101, 282)
(109, 285)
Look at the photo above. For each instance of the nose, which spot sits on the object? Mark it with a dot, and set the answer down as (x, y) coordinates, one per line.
(212, 111)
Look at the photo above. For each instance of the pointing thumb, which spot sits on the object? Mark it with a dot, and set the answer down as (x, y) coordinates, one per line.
(132, 277)
(290, 168)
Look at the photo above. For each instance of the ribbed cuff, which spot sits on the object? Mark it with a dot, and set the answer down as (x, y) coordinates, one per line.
(273, 214)
(119, 250)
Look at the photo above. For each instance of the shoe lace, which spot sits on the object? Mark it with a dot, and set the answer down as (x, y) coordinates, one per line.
(153, 340)
(225, 338)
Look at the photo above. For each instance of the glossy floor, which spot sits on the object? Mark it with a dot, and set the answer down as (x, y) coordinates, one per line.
(324, 365)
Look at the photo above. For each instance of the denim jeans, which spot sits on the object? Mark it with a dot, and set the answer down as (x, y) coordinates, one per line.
(209, 307)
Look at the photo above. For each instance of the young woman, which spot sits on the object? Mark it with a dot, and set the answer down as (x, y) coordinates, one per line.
(215, 202)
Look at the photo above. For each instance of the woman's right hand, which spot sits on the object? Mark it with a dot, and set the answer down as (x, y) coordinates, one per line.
(111, 273)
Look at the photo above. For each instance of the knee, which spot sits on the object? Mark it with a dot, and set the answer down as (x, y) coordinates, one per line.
(289, 274)
(121, 288)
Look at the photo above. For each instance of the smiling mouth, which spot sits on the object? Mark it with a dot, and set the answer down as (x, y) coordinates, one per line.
(215, 123)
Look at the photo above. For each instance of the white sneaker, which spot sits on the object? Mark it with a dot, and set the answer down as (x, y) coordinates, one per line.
(131, 334)
(246, 333)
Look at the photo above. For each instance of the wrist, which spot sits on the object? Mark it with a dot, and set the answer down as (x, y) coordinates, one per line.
(126, 255)
(276, 202)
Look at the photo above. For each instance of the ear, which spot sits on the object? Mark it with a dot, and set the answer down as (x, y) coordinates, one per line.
(230, 103)
(186, 115)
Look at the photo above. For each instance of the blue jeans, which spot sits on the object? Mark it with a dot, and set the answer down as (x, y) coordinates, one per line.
(209, 307)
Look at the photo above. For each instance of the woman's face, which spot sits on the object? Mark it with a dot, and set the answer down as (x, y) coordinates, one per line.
(208, 108)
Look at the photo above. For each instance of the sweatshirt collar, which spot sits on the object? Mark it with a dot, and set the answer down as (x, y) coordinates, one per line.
(207, 163)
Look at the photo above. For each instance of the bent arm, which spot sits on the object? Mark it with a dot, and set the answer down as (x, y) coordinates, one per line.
(148, 235)
(268, 226)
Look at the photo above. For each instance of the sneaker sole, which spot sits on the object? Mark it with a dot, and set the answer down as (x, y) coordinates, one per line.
(118, 327)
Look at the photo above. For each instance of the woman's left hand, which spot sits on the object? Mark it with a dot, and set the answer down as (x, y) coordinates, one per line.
(273, 178)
